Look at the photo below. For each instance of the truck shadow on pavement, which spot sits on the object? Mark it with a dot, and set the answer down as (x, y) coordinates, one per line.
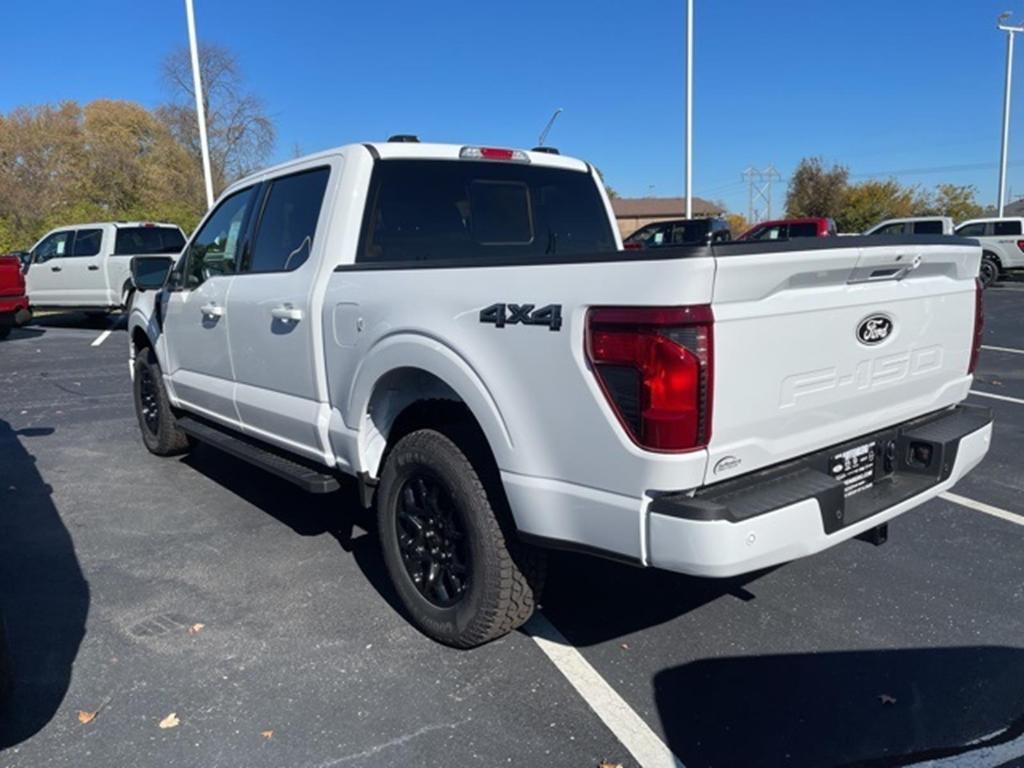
(337, 514)
(44, 598)
(852, 708)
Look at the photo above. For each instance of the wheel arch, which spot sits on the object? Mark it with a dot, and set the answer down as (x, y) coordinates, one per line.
(397, 378)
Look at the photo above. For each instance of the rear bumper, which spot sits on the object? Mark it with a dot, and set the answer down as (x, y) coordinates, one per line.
(14, 310)
(797, 508)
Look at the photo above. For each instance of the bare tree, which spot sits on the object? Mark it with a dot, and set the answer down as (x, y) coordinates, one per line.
(240, 132)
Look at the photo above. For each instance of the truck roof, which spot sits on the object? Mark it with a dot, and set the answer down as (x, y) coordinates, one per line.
(414, 150)
(116, 224)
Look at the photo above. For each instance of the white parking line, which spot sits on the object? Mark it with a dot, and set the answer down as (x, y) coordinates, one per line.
(1011, 350)
(628, 727)
(102, 337)
(981, 506)
(1008, 399)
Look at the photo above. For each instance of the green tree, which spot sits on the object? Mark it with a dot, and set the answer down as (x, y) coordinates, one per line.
(959, 202)
(108, 160)
(870, 202)
(815, 190)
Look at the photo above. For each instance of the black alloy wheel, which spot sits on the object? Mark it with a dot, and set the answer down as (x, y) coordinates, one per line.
(432, 540)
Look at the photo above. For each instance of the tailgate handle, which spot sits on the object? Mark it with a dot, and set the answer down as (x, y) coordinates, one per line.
(889, 272)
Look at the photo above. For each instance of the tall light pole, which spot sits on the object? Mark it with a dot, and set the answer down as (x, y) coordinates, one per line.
(197, 84)
(1010, 30)
(689, 109)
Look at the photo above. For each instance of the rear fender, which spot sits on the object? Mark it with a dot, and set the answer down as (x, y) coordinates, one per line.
(449, 376)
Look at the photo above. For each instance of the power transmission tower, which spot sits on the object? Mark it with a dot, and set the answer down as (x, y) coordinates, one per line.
(759, 192)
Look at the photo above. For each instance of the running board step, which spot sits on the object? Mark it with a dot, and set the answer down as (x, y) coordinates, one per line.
(305, 474)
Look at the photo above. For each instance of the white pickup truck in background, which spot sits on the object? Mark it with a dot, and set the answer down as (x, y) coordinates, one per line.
(1002, 245)
(88, 266)
(459, 329)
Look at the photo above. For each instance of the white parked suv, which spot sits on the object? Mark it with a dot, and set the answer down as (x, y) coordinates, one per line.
(916, 225)
(1002, 244)
(458, 328)
(87, 266)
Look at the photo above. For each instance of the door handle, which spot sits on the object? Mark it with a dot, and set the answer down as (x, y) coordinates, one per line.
(212, 310)
(287, 313)
(55, 269)
(93, 268)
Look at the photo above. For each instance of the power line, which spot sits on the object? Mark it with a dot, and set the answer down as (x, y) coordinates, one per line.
(759, 191)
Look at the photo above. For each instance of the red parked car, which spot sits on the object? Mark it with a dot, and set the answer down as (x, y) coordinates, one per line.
(13, 301)
(787, 229)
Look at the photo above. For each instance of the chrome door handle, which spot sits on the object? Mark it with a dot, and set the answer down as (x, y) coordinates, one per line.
(286, 312)
(212, 310)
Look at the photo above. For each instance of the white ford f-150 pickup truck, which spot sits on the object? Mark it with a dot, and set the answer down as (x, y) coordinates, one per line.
(458, 328)
(87, 266)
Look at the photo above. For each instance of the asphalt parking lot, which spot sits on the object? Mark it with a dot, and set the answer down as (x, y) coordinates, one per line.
(111, 559)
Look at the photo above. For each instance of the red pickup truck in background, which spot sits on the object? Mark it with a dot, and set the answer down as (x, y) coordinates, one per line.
(13, 301)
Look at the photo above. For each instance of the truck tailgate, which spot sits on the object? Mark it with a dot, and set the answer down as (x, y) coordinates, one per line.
(815, 347)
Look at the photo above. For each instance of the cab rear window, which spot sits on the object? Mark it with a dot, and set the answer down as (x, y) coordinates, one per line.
(141, 240)
(441, 210)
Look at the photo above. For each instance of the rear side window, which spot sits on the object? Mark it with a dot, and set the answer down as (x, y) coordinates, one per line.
(287, 225)
(433, 210)
(1006, 228)
(136, 241)
(809, 229)
(976, 229)
(927, 227)
(87, 242)
(690, 233)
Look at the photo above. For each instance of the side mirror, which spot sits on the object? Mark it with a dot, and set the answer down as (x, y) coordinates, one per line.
(149, 273)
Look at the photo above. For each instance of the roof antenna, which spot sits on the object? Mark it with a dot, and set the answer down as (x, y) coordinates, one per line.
(547, 128)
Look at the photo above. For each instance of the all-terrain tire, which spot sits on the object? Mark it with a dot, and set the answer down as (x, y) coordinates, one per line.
(990, 269)
(504, 576)
(157, 422)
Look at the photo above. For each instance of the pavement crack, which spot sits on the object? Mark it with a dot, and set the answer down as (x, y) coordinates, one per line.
(395, 742)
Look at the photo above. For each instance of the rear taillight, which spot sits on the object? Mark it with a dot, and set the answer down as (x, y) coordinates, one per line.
(655, 366)
(632, 246)
(979, 324)
(1020, 245)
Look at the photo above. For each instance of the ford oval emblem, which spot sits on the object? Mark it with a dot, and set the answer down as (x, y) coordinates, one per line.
(874, 329)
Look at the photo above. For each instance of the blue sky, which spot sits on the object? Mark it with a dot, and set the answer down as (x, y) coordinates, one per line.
(884, 87)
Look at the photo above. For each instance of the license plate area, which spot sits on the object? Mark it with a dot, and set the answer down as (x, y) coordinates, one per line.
(855, 467)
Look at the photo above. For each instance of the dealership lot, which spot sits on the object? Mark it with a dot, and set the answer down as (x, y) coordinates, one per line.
(887, 655)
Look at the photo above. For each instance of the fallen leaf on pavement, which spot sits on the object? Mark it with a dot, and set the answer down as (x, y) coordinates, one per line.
(195, 629)
(268, 735)
(171, 721)
(885, 698)
(625, 646)
(86, 717)
(606, 764)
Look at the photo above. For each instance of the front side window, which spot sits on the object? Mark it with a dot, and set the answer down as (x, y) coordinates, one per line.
(144, 241)
(977, 229)
(87, 242)
(1004, 228)
(427, 210)
(890, 229)
(55, 246)
(768, 233)
(284, 235)
(214, 249)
